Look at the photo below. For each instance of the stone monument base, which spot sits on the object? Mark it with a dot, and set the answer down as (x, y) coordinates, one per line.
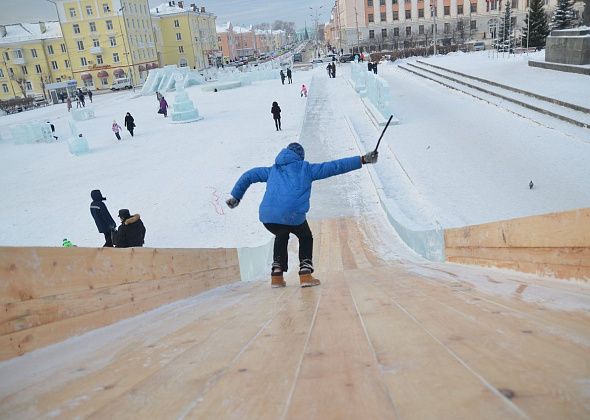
(568, 46)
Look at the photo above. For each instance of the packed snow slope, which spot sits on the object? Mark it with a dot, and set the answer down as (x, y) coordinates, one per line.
(453, 159)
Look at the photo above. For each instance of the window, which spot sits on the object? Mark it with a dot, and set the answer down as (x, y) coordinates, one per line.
(181, 49)
(421, 29)
(447, 10)
(63, 48)
(408, 30)
(513, 21)
(515, 4)
(83, 61)
(54, 65)
(473, 24)
(72, 12)
(447, 28)
(105, 8)
(92, 26)
(6, 56)
(50, 49)
(395, 15)
(109, 25)
(1, 73)
(29, 85)
(370, 3)
(76, 28)
(11, 72)
(371, 19)
(473, 7)
(408, 14)
(178, 36)
(67, 63)
(383, 17)
(113, 41)
(460, 26)
(420, 13)
(99, 59)
(95, 43)
(104, 81)
(116, 57)
(459, 9)
(89, 10)
(393, 1)
(382, 2)
(384, 33)
(24, 69)
(176, 23)
(34, 52)
(80, 44)
(371, 34)
(4, 87)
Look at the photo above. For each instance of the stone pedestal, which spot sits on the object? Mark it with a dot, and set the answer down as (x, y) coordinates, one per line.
(568, 46)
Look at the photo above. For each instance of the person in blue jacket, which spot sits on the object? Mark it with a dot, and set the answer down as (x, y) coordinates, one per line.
(102, 217)
(286, 202)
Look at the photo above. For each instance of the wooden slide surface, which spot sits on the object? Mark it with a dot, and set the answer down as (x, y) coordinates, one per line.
(385, 336)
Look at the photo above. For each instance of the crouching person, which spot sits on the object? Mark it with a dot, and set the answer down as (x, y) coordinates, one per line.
(131, 232)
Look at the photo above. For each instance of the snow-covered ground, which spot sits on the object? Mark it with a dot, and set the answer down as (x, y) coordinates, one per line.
(452, 158)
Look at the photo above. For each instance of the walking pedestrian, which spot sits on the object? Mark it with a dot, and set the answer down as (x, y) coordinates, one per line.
(129, 123)
(289, 74)
(104, 222)
(69, 103)
(333, 70)
(329, 70)
(163, 106)
(375, 67)
(275, 110)
(282, 77)
(52, 127)
(81, 98)
(286, 202)
(303, 91)
(116, 128)
(90, 95)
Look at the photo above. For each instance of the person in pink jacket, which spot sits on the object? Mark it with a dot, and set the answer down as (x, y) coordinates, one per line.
(303, 91)
(116, 128)
(163, 107)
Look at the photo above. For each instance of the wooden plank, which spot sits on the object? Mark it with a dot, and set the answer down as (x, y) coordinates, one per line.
(29, 273)
(577, 257)
(138, 358)
(181, 386)
(24, 341)
(258, 382)
(542, 374)
(339, 377)
(565, 229)
(417, 369)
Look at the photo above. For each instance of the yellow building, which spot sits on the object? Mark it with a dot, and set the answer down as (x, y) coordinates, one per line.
(32, 55)
(186, 35)
(108, 39)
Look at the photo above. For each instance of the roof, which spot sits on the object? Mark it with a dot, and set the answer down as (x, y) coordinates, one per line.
(23, 32)
(165, 9)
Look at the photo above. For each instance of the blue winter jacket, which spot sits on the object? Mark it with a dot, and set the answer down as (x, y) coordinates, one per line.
(288, 185)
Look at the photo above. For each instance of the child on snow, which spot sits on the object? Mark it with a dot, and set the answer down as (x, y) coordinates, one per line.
(275, 110)
(116, 128)
(286, 202)
(303, 91)
(163, 107)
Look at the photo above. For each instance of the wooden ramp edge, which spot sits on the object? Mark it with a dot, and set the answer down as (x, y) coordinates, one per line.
(555, 244)
(51, 294)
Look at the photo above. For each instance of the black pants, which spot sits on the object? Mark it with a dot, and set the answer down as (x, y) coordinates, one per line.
(290, 80)
(278, 123)
(118, 136)
(281, 233)
(131, 130)
(108, 240)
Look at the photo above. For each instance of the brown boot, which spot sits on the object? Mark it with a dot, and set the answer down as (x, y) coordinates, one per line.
(276, 278)
(307, 280)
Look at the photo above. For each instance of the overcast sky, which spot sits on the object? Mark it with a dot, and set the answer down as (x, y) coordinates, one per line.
(241, 12)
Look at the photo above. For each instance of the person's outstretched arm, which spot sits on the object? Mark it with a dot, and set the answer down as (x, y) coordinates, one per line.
(341, 166)
(249, 177)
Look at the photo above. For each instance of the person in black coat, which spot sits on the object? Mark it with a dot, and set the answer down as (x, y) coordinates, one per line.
(333, 70)
(131, 232)
(282, 73)
(276, 115)
(289, 75)
(102, 217)
(129, 123)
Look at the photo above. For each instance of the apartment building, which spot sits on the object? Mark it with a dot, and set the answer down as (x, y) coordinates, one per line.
(227, 42)
(368, 23)
(32, 55)
(186, 35)
(108, 39)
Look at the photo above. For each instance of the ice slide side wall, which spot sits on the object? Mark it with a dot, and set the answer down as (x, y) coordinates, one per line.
(555, 244)
(51, 294)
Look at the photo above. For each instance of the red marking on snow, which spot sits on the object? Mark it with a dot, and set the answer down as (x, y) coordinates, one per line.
(215, 202)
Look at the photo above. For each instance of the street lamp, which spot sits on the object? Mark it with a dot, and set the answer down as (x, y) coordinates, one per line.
(62, 34)
(122, 10)
(316, 9)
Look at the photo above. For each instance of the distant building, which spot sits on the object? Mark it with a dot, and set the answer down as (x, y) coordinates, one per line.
(32, 56)
(186, 35)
